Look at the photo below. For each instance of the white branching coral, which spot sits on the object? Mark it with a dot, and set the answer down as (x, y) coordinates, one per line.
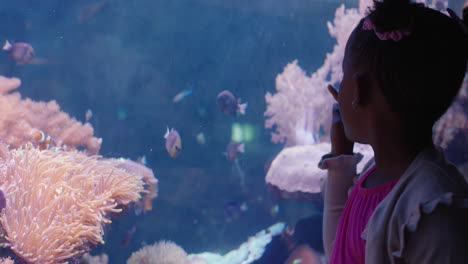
(163, 252)
(300, 108)
(454, 121)
(343, 24)
(299, 112)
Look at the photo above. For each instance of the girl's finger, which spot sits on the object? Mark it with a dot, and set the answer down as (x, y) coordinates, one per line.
(336, 117)
(333, 92)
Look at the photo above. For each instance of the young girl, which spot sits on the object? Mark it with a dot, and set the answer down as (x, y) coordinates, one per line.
(403, 65)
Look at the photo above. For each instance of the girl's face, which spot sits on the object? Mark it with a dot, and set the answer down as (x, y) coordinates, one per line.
(348, 92)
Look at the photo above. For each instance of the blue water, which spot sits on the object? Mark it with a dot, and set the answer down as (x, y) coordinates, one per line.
(128, 60)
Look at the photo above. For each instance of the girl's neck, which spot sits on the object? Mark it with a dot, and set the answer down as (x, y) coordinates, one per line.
(393, 156)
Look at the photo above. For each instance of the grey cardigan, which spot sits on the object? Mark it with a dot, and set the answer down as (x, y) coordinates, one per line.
(424, 219)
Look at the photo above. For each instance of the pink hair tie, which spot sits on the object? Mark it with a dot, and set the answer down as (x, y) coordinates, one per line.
(396, 34)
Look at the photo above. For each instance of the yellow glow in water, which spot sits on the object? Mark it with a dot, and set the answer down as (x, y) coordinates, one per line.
(242, 132)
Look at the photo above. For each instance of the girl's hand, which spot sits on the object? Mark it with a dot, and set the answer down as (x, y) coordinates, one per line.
(340, 144)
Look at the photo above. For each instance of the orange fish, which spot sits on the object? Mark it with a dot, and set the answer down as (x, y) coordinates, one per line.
(42, 140)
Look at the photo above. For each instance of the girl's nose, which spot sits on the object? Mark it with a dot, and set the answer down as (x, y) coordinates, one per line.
(333, 92)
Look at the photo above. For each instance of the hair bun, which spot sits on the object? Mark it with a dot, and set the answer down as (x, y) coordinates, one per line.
(392, 14)
(395, 2)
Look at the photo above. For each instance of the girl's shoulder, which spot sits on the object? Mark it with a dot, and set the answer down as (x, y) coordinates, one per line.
(434, 175)
(429, 185)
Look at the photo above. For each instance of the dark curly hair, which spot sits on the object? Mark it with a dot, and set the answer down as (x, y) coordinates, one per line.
(421, 74)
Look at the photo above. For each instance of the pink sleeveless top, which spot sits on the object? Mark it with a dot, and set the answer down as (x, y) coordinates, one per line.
(349, 247)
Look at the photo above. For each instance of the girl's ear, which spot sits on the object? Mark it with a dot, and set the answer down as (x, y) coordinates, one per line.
(362, 91)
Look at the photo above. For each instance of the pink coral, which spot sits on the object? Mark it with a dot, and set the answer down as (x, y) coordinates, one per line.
(99, 259)
(6, 261)
(21, 119)
(147, 175)
(8, 84)
(58, 201)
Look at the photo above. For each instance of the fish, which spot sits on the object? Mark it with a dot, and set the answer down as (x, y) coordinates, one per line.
(180, 96)
(142, 160)
(173, 142)
(88, 115)
(233, 149)
(127, 236)
(201, 138)
(138, 208)
(232, 152)
(89, 11)
(228, 103)
(274, 210)
(42, 140)
(21, 52)
(233, 210)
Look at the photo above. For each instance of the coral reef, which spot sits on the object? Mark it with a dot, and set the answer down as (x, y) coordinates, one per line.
(343, 24)
(57, 201)
(248, 252)
(163, 252)
(300, 110)
(21, 119)
(7, 260)
(300, 113)
(136, 168)
(100, 259)
(454, 121)
(295, 171)
(295, 168)
(167, 252)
